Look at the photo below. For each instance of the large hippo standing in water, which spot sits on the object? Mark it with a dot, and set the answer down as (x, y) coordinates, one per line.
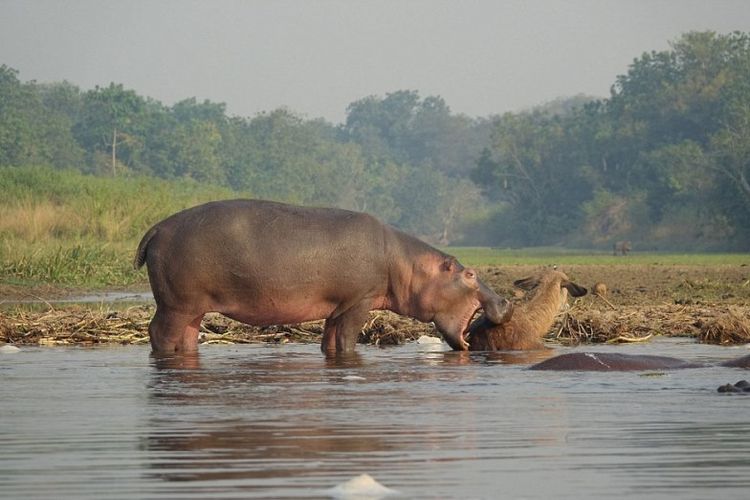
(264, 263)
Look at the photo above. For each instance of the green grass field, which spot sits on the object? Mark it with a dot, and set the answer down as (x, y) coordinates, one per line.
(485, 256)
(63, 228)
(97, 267)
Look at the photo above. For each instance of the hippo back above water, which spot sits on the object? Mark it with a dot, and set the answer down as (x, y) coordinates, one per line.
(614, 361)
(264, 263)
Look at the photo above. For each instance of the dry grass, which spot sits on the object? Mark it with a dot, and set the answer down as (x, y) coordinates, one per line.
(586, 322)
(729, 327)
(36, 221)
(707, 303)
(83, 326)
(75, 326)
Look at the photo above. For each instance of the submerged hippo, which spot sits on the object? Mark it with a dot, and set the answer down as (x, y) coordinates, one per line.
(265, 263)
(610, 361)
(741, 386)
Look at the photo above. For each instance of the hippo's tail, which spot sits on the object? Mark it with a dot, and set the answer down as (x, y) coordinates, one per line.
(140, 254)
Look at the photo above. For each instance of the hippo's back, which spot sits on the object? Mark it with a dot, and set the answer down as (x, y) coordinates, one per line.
(247, 226)
(241, 250)
(604, 361)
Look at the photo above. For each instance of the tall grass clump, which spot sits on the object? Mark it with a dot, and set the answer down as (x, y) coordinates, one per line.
(59, 226)
(76, 265)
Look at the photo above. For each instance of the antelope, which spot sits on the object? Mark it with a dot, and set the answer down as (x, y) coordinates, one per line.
(621, 248)
(530, 320)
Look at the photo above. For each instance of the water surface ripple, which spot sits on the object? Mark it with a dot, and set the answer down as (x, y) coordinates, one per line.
(284, 422)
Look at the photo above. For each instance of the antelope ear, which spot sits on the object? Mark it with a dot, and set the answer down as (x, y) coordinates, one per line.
(574, 289)
(526, 284)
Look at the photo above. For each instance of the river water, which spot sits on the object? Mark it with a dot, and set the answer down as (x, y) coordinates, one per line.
(257, 421)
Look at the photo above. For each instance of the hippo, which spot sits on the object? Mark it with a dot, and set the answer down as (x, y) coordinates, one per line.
(741, 362)
(610, 361)
(264, 263)
(743, 386)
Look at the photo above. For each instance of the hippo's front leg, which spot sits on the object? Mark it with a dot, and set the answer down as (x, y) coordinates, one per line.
(341, 330)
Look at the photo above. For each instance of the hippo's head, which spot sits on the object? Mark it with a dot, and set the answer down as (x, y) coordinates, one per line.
(456, 296)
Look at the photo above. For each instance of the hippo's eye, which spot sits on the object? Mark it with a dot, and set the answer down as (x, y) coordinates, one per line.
(470, 274)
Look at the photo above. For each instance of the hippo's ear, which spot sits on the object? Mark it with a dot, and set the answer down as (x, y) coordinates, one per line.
(574, 289)
(527, 284)
(450, 264)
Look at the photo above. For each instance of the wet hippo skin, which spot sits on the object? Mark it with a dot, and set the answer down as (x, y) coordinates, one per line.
(742, 386)
(609, 361)
(742, 362)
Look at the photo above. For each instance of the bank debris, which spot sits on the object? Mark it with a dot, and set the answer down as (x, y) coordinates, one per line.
(585, 322)
(83, 326)
(582, 324)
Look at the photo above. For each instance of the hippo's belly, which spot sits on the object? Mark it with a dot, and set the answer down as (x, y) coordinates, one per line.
(270, 311)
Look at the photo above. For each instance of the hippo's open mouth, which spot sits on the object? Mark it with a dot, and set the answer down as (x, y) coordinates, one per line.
(465, 333)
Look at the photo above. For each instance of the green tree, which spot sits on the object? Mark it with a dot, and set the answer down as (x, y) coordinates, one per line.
(532, 170)
(109, 123)
(195, 153)
(17, 138)
(190, 109)
(283, 157)
(382, 126)
(678, 130)
(61, 103)
(32, 130)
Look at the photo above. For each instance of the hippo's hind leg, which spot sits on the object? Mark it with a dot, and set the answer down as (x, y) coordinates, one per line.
(342, 329)
(172, 332)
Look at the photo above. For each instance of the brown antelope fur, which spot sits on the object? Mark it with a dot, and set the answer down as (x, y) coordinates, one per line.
(531, 320)
(599, 289)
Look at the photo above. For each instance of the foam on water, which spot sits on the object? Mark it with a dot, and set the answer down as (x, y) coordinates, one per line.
(362, 487)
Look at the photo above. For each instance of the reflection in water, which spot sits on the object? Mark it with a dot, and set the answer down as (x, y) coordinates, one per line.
(263, 421)
(525, 358)
(295, 416)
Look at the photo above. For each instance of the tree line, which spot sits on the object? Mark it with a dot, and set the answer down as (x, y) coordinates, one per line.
(664, 161)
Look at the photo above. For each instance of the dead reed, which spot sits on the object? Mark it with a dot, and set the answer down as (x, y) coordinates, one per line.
(585, 322)
(731, 326)
(83, 326)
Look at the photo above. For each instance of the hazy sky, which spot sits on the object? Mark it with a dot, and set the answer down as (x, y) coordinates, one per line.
(318, 56)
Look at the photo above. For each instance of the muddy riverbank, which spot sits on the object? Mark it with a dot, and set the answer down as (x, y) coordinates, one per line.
(709, 303)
